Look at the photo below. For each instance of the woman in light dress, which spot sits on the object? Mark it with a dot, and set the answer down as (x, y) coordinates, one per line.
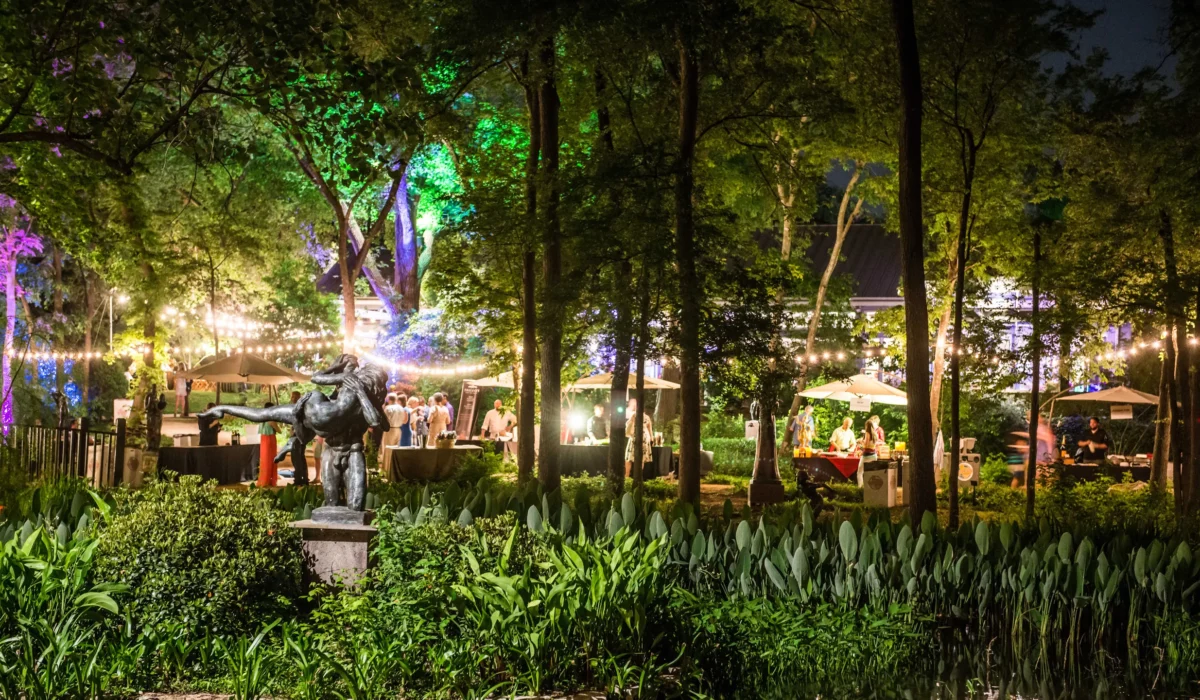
(439, 416)
(647, 436)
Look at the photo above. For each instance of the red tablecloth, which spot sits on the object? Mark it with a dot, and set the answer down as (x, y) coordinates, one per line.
(848, 466)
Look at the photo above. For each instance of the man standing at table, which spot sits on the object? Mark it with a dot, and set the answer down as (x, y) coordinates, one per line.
(209, 428)
(497, 422)
(1093, 447)
(843, 438)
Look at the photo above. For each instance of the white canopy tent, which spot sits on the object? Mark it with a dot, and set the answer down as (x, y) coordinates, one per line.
(503, 380)
(244, 367)
(858, 387)
(604, 381)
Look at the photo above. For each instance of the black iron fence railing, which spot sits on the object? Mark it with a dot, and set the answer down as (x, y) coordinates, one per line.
(49, 452)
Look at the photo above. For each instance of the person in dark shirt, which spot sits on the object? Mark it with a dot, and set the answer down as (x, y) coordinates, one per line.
(597, 425)
(209, 428)
(1093, 447)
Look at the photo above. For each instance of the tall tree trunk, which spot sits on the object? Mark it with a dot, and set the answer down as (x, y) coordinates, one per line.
(1174, 437)
(526, 446)
(1193, 478)
(912, 238)
(349, 317)
(1162, 428)
(841, 230)
(945, 316)
(552, 320)
(1035, 344)
(405, 280)
(622, 332)
(10, 331)
(689, 283)
(667, 403)
(56, 260)
(960, 279)
(643, 341)
(1183, 420)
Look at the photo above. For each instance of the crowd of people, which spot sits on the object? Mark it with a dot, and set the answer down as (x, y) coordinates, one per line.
(412, 419)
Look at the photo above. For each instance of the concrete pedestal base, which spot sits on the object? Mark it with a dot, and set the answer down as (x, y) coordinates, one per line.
(335, 553)
(765, 493)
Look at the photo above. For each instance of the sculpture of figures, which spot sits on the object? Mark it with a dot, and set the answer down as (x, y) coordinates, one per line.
(154, 405)
(342, 419)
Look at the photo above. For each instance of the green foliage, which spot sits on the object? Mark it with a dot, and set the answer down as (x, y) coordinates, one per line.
(214, 558)
(994, 470)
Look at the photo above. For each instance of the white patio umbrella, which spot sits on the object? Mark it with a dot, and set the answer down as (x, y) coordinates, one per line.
(1119, 394)
(244, 367)
(604, 381)
(503, 381)
(860, 386)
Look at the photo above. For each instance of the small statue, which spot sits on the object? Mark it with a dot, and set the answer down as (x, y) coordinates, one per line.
(154, 405)
(342, 419)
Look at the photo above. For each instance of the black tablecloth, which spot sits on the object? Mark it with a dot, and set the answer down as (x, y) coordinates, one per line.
(574, 460)
(228, 464)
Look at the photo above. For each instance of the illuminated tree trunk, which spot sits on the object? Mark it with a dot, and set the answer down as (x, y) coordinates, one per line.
(912, 239)
(405, 279)
(526, 449)
(552, 320)
(10, 330)
(1162, 429)
(814, 320)
(56, 261)
(689, 283)
(1035, 345)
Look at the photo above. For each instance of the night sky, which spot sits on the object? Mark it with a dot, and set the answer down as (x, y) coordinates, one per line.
(1133, 32)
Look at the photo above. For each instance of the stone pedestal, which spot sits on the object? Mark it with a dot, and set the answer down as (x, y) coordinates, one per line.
(335, 553)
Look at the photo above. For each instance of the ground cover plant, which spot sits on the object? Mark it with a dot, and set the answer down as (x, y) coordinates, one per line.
(481, 590)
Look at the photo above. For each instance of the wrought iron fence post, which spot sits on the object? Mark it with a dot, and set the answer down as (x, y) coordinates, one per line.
(83, 451)
(119, 469)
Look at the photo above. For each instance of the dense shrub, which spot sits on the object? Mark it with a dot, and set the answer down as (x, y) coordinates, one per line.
(216, 559)
(773, 648)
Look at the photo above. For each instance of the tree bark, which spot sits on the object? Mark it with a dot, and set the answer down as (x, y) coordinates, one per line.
(622, 333)
(405, 279)
(1183, 433)
(10, 331)
(56, 260)
(960, 280)
(526, 448)
(1162, 429)
(643, 329)
(1175, 433)
(945, 316)
(552, 320)
(689, 288)
(912, 237)
(814, 320)
(1035, 345)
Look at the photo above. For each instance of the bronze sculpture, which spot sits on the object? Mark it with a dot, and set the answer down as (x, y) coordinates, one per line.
(342, 419)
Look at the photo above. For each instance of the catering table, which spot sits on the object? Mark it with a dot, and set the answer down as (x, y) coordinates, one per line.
(574, 460)
(426, 463)
(828, 467)
(228, 464)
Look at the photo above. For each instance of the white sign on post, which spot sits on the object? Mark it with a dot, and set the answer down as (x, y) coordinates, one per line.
(860, 403)
(121, 408)
(1121, 411)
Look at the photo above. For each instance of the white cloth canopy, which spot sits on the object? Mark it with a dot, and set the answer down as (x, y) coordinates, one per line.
(244, 367)
(503, 381)
(859, 386)
(1120, 394)
(604, 381)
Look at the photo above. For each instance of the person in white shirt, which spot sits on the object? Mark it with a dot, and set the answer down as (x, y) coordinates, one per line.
(439, 417)
(843, 438)
(498, 422)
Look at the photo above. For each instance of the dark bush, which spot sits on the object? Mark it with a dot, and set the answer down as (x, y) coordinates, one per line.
(217, 559)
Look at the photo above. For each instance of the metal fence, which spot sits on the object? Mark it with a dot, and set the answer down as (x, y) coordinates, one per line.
(49, 452)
